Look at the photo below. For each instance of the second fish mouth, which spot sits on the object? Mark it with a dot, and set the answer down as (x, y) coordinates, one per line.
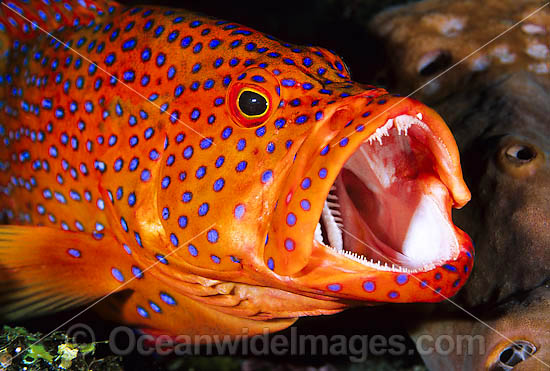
(389, 207)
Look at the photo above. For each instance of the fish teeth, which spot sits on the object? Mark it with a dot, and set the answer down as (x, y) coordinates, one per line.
(333, 231)
(332, 197)
(381, 132)
(333, 205)
(378, 265)
(319, 234)
(402, 123)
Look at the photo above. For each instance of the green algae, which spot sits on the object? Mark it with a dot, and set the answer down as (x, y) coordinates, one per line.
(23, 350)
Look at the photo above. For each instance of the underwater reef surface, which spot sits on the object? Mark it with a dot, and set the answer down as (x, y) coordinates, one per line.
(24, 350)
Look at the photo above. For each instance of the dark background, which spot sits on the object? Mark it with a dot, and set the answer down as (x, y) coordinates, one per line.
(339, 25)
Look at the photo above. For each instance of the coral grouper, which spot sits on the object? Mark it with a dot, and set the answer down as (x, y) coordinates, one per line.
(218, 177)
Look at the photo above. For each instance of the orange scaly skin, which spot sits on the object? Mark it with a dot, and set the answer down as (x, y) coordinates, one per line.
(205, 215)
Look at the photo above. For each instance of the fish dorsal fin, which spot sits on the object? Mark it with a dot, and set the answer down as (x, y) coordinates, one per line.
(44, 270)
(49, 15)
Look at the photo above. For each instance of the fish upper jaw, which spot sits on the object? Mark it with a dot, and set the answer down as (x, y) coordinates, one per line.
(371, 191)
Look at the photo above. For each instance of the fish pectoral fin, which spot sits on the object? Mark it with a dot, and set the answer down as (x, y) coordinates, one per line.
(157, 308)
(45, 270)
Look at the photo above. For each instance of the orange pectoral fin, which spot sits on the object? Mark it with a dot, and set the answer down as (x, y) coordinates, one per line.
(158, 309)
(44, 270)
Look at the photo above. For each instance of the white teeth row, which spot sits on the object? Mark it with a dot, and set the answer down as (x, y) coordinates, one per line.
(333, 222)
(333, 230)
(334, 206)
(319, 234)
(378, 265)
(382, 131)
(402, 123)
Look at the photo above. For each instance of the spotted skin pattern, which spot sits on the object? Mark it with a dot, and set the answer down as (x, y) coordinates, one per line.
(206, 215)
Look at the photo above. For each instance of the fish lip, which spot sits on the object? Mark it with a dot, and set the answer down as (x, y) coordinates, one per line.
(455, 248)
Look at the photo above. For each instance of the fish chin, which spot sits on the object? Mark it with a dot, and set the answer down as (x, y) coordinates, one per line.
(389, 206)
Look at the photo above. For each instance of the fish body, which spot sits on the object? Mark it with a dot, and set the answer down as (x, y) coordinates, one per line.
(212, 178)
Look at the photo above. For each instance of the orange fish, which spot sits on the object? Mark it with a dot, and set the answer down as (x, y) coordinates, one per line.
(214, 177)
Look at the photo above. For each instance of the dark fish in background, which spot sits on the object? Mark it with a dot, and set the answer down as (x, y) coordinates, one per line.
(497, 103)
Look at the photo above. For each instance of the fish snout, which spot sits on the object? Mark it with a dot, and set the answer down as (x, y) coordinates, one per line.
(523, 341)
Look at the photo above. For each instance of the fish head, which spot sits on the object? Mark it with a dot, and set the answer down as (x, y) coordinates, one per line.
(277, 141)
(520, 341)
(503, 134)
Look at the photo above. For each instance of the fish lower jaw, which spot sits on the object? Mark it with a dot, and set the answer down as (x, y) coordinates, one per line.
(389, 209)
(371, 263)
(330, 233)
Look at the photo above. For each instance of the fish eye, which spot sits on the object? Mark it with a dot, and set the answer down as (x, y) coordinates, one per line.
(252, 104)
(519, 158)
(252, 99)
(520, 153)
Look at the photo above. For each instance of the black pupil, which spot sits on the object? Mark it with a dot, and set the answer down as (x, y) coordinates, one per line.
(525, 154)
(252, 104)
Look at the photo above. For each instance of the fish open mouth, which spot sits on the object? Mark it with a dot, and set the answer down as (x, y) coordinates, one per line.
(389, 206)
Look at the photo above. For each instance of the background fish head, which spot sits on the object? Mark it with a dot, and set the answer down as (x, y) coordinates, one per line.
(506, 147)
(489, 81)
(486, 71)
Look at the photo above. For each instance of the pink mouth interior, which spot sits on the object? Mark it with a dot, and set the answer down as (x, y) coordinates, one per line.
(393, 206)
